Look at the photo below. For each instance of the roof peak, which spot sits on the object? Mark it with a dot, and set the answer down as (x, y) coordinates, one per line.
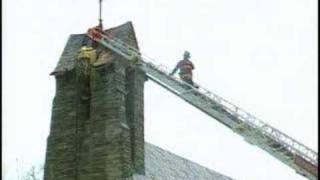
(124, 32)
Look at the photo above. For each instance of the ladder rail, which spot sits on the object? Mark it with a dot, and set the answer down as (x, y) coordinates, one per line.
(289, 143)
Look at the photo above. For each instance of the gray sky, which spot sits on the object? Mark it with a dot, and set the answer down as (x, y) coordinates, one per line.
(260, 55)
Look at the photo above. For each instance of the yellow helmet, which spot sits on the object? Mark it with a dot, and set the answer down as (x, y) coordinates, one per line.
(86, 48)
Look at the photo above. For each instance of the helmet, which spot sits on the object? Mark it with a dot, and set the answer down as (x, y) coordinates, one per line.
(186, 54)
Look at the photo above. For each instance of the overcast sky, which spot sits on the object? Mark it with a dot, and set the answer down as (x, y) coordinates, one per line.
(260, 55)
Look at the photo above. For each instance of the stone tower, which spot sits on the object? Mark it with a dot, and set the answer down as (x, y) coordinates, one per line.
(97, 123)
(97, 115)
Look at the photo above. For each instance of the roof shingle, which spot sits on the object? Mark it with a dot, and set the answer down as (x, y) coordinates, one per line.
(163, 165)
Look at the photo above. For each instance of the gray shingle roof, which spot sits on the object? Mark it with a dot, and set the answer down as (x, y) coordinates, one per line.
(163, 165)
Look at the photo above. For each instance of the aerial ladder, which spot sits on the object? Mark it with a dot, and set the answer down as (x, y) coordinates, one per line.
(286, 149)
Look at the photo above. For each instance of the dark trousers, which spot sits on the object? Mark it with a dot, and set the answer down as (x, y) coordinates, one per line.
(187, 78)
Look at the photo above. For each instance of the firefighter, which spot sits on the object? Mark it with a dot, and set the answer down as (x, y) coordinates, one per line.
(185, 68)
(87, 52)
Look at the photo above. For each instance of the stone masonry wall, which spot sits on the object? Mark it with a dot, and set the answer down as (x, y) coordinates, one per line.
(69, 112)
(97, 123)
(135, 114)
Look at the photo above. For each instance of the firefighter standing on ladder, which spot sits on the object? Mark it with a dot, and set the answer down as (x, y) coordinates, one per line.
(185, 68)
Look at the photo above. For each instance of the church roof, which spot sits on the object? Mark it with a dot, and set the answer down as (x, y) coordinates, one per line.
(163, 165)
(124, 32)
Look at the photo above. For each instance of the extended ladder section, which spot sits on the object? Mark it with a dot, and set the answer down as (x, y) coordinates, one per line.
(289, 151)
